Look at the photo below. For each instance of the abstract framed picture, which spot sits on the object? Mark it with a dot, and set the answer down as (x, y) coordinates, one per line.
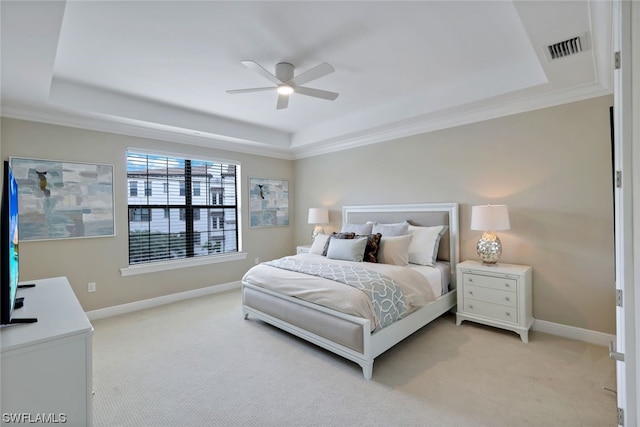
(63, 200)
(268, 202)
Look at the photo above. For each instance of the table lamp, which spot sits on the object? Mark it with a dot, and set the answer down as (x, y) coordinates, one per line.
(318, 216)
(489, 219)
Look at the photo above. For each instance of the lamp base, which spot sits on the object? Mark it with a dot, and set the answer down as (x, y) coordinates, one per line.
(317, 230)
(489, 248)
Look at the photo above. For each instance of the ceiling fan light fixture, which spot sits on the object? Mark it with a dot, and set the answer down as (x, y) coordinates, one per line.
(285, 90)
(286, 83)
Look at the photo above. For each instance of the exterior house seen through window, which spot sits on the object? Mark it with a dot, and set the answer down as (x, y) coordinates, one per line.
(133, 188)
(189, 208)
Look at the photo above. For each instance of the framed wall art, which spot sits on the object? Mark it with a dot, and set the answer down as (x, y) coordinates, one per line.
(268, 202)
(61, 200)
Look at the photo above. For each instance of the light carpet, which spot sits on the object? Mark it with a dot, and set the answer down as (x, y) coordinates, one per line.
(199, 363)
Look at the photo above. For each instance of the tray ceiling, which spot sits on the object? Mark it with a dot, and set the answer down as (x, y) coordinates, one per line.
(161, 69)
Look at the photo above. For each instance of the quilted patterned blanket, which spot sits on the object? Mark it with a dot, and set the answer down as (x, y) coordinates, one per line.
(386, 297)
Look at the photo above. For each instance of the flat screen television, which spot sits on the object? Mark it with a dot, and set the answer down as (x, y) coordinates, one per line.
(10, 247)
(9, 274)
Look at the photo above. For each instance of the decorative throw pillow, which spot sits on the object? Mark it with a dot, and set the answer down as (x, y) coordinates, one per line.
(347, 249)
(397, 229)
(394, 250)
(362, 229)
(373, 244)
(317, 247)
(425, 243)
(335, 235)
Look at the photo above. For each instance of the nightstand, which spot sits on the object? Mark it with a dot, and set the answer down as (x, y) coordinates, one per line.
(497, 295)
(303, 249)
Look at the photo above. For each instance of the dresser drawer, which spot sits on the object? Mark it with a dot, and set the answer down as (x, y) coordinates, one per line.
(493, 311)
(501, 283)
(506, 298)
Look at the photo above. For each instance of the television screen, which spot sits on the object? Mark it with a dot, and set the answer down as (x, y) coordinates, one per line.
(10, 246)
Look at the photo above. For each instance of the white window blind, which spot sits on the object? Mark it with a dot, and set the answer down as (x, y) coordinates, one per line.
(189, 208)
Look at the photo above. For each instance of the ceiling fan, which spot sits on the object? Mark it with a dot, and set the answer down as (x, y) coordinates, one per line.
(286, 83)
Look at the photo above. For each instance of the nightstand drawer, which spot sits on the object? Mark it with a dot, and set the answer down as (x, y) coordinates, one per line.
(506, 298)
(493, 311)
(502, 283)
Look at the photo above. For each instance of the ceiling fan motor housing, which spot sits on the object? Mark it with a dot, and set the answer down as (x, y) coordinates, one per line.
(284, 71)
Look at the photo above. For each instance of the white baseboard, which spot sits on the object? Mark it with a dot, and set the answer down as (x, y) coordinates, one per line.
(571, 332)
(154, 302)
(593, 337)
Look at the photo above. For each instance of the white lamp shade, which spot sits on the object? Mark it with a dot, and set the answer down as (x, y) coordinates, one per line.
(318, 216)
(490, 218)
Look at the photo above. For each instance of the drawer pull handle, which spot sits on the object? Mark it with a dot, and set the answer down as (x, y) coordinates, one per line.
(507, 313)
(470, 279)
(471, 306)
(507, 299)
(470, 292)
(506, 285)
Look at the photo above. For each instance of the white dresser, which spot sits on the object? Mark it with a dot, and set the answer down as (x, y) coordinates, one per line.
(497, 295)
(46, 367)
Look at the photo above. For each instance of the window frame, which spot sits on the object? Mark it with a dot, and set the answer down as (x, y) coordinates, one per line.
(190, 258)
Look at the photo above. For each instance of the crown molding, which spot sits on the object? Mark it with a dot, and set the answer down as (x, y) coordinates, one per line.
(396, 130)
(150, 131)
(428, 124)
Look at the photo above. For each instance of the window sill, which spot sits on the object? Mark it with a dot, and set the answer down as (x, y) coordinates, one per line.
(173, 265)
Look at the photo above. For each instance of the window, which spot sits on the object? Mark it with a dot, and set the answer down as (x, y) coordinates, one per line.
(139, 214)
(188, 219)
(216, 196)
(196, 214)
(217, 219)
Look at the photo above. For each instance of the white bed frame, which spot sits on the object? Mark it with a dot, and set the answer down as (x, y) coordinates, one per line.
(378, 342)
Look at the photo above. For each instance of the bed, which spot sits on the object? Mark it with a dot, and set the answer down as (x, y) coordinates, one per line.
(271, 291)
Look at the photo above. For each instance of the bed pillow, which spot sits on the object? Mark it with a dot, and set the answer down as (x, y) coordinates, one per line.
(317, 247)
(394, 250)
(363, 229)
(397, 229)
(425, 243)
(335, 235)
(373, 244)
(347, 249)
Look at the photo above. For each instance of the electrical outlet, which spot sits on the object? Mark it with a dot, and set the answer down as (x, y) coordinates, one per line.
(257, 260)
(91, 287)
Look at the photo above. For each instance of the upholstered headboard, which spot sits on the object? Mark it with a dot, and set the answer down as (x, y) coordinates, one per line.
(426, 214)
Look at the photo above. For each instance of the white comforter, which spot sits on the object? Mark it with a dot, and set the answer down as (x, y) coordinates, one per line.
(415, 287)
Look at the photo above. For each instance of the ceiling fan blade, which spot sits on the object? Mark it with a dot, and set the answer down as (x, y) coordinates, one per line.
(283, 101)
(255, 89)
(317, 93)
(312, 74)
(260, 70)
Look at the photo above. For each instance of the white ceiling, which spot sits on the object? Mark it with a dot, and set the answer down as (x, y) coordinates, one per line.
(161, 69)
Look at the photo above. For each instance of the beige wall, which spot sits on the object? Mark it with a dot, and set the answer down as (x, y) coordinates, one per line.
(552, 167)
(100, 259)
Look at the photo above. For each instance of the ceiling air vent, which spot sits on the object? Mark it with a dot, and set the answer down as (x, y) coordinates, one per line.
(567, 47)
